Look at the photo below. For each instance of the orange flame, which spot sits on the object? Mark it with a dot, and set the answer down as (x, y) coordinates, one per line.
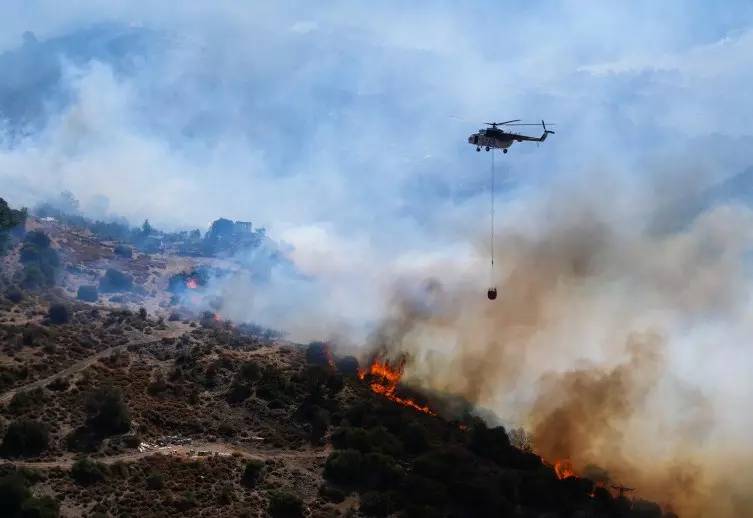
(383, 380)
(564, 468)
(191, 283)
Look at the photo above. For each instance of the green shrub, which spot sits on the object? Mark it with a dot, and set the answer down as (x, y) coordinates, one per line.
(40, 260)
(249, 372)
(59, 314)
(381, 471)
(318, 353)
(115, 280)
(378, 504)
(284, 505)
(14, 295)
(348, 365)
(252, 473)
(40, 507)
(86, 472)
(87, 293)
(123, 251)
(331, 493)
(344, 466)
(414, 438)
(107, 412)
(13, 493)
(24, 438)
(154, 480)
(25, 400)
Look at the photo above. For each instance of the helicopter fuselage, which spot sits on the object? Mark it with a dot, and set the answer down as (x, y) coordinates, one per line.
(498, 140)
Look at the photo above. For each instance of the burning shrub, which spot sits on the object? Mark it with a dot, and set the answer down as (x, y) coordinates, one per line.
(87, 293)
(25, 438)
(59, 314)
(344, 466)
(115, 281)
(284, 505)
(252, 473)
(86, 472)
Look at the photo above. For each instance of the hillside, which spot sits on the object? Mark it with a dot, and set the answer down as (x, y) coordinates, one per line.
(124, 401)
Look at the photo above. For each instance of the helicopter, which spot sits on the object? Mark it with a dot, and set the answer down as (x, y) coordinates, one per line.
(495, 137)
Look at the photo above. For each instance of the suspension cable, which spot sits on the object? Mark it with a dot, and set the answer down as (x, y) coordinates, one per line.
(491, 215)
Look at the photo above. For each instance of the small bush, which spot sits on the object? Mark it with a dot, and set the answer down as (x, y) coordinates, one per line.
(107, 412)
(249, 371)
(378, 504)
(155, 481)
(59, 314)
(123, 251)
(331, 493)
(252, 473)
(14, 295)
(318, 353)
(25, 400)
(348, 365)
(284, 505)
(86, 472)
(344, 466)
(13, 493)
(115, 280)
(40, 507)
(87, 293)
(25, 437)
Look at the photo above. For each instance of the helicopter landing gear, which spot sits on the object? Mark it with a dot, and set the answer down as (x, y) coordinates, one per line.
(478, 149)
(487, 148)
(504, 151)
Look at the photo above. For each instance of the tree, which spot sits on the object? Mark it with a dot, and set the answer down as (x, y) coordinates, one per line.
(40, 260)
(25, 437)
(87, 293)
(146, 228)
(40, 507)
(252, 473)
(284, 505)
(59, 314)
(86, 472)
(13, 493)
(107, 413)
(67, 203)
(114, 281)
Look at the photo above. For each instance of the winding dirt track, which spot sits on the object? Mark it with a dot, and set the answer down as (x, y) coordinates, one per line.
(76, 367)
(190, 451)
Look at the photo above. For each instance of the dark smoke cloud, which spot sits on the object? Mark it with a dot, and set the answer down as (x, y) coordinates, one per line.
(596, 341)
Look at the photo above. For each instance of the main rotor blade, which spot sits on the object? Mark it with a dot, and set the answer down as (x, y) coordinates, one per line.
(508, 122)
(539, 124)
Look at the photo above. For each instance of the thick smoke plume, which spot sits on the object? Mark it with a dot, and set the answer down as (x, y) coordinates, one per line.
(607, 342)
